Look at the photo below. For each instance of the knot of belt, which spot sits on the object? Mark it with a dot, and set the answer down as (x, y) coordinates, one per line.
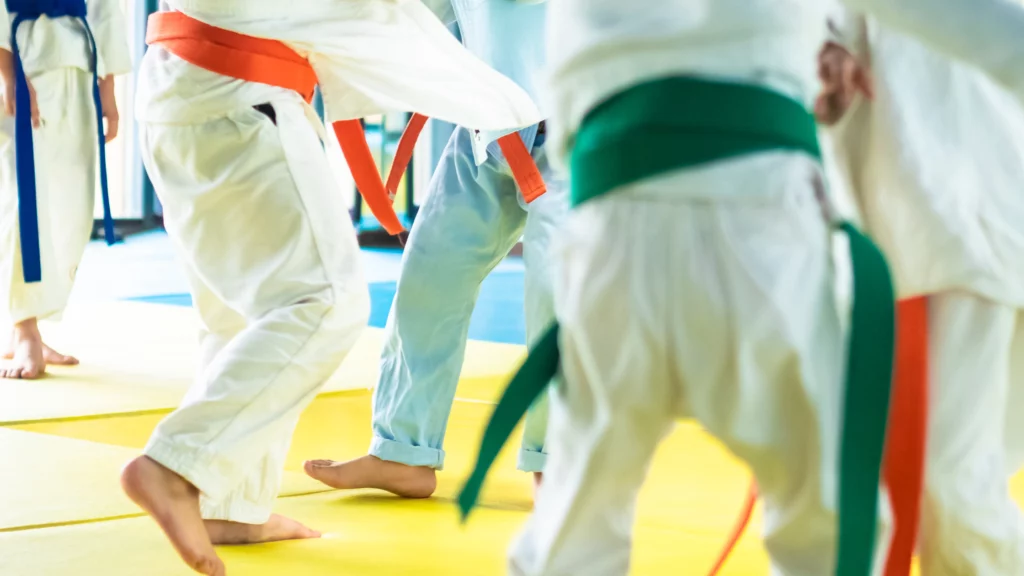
(32, 9)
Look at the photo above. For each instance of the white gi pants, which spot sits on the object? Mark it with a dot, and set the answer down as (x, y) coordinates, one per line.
(970, 525)
(704, 293)
(66, 175)
(473, 216)
(269, 246)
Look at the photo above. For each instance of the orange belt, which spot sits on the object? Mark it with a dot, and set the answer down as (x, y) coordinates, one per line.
(907, 437)
(273, 62)
(520, 161)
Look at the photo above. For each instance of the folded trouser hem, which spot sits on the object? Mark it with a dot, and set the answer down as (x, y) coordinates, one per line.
(532, 460)
(20, 314)
(236, 509)
(394, 451)
(195, 467)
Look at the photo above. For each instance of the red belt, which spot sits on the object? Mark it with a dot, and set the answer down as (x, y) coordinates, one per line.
(273, 62)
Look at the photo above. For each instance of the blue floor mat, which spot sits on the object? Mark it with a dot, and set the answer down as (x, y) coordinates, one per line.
(498, 316)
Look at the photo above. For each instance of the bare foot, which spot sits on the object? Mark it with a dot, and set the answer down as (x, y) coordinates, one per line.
(276, 529)
(50, 356)
(538, 479)
(372, 472)
(26, 360)
(174, 503)
(54, 358)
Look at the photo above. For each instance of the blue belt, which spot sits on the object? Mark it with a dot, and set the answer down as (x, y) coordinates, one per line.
(24, 151)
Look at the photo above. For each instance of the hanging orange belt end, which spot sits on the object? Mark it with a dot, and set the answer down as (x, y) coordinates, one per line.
(523, 168)
(352, 140)
(908, 432)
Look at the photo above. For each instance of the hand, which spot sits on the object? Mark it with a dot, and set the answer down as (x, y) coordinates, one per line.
(842, 77)
(10, 99)
(109, 103)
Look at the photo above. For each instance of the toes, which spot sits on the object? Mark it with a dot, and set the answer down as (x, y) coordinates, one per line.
(62, 360)
(30, 373)
(320, 463)
(51, 356)
(210, 567)
(315, 467)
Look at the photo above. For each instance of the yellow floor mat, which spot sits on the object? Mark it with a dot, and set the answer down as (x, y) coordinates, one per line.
(62, 513)
(365, 535)
(141, 358)
(684, 514)
(48, 481)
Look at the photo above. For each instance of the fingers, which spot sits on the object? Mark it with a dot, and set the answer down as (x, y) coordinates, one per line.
(842, 77)
(864, 82)
(11, 107)
(830, 107)
(830, 63)
(113, 123)
(36, 121)
(823, 109)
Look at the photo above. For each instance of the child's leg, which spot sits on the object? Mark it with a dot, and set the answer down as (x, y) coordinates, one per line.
(703, 293)
(468, 224)
(546, 218)
(970, 524)
(71, 145)
(253, 207)
(65, 155)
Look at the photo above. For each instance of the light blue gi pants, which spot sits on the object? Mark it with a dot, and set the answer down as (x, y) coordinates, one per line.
(472, 218)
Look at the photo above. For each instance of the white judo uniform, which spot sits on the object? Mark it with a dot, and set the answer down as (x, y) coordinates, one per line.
(57, 59)
(936, 164)
(262, 228)
(474, 215)
(706, 292)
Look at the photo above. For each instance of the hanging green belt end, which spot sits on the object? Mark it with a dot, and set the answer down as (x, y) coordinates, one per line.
(869, 373)
(526, 386)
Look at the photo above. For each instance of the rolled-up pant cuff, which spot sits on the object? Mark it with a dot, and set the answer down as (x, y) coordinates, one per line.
(51, 311)
(394, 451)
(532, 460)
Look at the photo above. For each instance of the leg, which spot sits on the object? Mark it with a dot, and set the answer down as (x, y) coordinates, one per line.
(775, 397)
(66, 172)
(219, 323)
(730, 303)
(970, 525)
(72, 145)
(617, 402)
(470, 221)
(240, 518)
(547, 215)
(253, 208)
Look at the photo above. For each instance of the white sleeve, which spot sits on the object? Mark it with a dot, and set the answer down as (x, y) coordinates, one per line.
(443, 9)
(847, 29)
(108, 26)
(988, 34)
(5, 27)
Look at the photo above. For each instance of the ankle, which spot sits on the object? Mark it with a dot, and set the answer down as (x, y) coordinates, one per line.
(26, 330)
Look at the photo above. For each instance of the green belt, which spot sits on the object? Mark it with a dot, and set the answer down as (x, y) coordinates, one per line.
(678, 123)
